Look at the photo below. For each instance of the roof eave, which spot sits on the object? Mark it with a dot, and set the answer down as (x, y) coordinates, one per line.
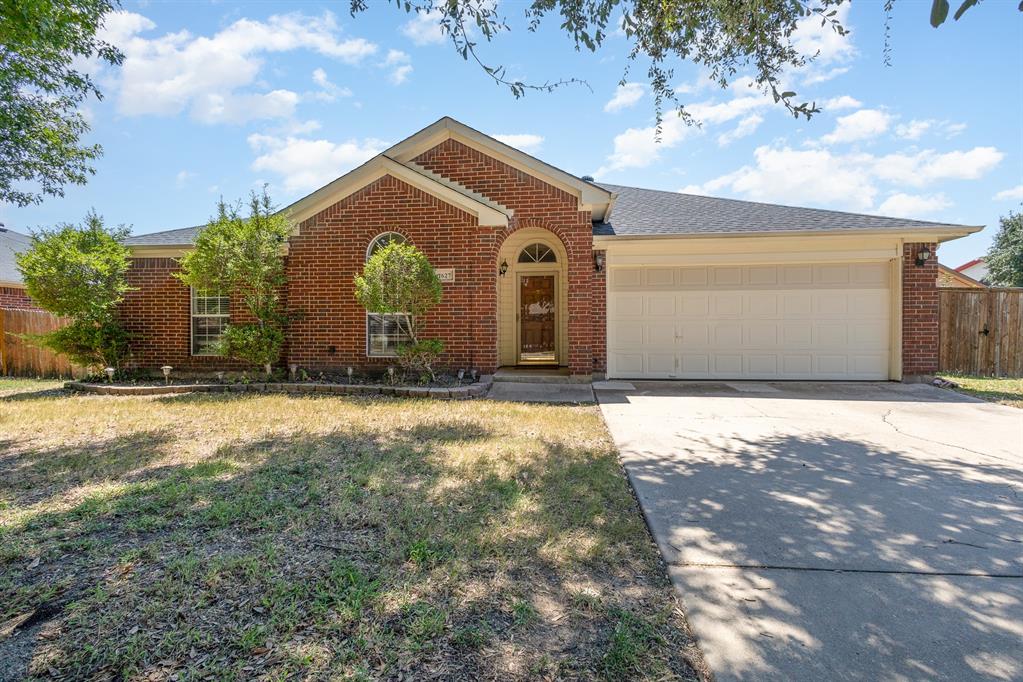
(940, 233)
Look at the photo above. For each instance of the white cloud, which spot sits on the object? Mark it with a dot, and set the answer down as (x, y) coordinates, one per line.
(842, 102)
(851, 181)
(861, 125)
(746, 127)
(813, 76)
(328, 90)
(526, 142)
(792, 176)
(183, 177)
(820, 41)
(928, 166)
(399, 63)
(425, 28)
(178, 71)
(916, 128)
(903, 205)
(1010, 194)
(638, 147)
(305, 164)
(625, 96)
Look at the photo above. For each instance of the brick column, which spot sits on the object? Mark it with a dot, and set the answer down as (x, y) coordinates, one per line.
(919, 311)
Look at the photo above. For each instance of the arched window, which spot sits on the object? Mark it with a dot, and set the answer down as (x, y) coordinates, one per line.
(537, 253)
(382, 240)
(385, 333)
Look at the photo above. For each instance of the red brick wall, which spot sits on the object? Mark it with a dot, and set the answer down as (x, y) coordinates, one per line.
(599, 316)
(536, 204)
(919, 312)
(330, 330)
(16, 298)
(157, 314)
(331, 249)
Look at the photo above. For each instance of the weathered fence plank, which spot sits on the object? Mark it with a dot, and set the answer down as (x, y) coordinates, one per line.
(18, 357)
(981, 331)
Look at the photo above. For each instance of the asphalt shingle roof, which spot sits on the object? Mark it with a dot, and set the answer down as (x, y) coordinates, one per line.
(178, 237)
(11, 243)
(639, 211)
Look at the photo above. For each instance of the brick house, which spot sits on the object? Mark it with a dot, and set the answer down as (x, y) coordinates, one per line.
(12, 289)
(540, 267)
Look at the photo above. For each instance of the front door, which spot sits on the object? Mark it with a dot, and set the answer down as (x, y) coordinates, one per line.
(537, 325)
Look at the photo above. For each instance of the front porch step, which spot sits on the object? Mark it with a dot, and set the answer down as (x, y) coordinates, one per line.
(540, 375)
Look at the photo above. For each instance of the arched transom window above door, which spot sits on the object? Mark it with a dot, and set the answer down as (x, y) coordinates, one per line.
(537, 253)
(382, 240)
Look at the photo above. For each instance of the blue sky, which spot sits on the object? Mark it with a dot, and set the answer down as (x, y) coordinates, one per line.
(215, 99)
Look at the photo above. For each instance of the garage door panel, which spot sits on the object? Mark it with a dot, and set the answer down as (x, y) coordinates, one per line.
(800, 321)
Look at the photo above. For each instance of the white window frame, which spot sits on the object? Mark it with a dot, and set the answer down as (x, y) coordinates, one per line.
(392, 236)
(194, 294)
(369, 336)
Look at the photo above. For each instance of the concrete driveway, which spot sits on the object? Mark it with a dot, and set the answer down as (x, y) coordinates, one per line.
(834, 531)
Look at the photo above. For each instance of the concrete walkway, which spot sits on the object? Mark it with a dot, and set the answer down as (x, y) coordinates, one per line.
(834, 531)
(522, 392)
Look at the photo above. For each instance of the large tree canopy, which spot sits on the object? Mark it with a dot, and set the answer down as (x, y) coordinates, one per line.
(730, 38)
(1005, 256)
(43, 44)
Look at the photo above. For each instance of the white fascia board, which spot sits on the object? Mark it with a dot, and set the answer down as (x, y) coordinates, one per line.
(925, 234)
(378, 167)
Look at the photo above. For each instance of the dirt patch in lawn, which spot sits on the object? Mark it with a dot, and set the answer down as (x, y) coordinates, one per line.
(273, 536)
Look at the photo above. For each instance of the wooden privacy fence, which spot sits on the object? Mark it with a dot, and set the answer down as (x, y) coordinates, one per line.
(981, 331)
(20, 358)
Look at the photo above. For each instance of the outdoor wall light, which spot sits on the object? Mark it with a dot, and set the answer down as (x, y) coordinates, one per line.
(503, 269)
(922, 256)
(598, 262)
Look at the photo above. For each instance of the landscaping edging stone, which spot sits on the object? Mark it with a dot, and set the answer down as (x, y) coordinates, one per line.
(476, 390)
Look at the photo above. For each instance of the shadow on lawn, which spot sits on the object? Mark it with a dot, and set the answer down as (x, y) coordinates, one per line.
(365, 552)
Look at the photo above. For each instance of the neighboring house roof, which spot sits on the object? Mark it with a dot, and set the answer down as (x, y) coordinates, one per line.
(11, 242)
(969, 264)
(649, 212)
(947, 277)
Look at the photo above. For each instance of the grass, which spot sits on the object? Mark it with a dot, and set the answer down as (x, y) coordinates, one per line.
(244, 536)
(993, 389)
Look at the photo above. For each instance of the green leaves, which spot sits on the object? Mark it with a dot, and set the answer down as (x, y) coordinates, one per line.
(41, 44)
(939, 12)
(243, 256)
(1005, 256)
(80, 272)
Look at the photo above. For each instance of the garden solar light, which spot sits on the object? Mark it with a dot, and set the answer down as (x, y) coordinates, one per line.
(109, 371)
(166, 369)
(349, 375)
(293, 371)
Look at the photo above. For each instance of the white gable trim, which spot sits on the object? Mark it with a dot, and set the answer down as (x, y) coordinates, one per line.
(378, 167)
(590, 196)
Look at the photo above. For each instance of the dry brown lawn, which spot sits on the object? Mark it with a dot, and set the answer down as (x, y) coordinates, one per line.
(243, 536)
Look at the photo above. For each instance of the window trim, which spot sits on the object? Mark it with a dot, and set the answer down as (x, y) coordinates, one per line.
(369, 349)
(390, 233)
(192, 296)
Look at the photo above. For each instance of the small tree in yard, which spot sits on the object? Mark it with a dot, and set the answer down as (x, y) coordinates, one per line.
(79, 272)
(398, 279)
(1005, 256)
(242, 256)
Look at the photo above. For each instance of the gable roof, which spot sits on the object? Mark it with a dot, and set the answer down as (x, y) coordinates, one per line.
(640, 212)
(592, 197)
(947, 277)
(969, 264)
(11, 242)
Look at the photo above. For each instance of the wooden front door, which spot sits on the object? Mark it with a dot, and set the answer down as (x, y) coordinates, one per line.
(537, 309)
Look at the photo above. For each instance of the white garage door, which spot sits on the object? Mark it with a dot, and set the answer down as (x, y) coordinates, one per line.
(803, 321)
